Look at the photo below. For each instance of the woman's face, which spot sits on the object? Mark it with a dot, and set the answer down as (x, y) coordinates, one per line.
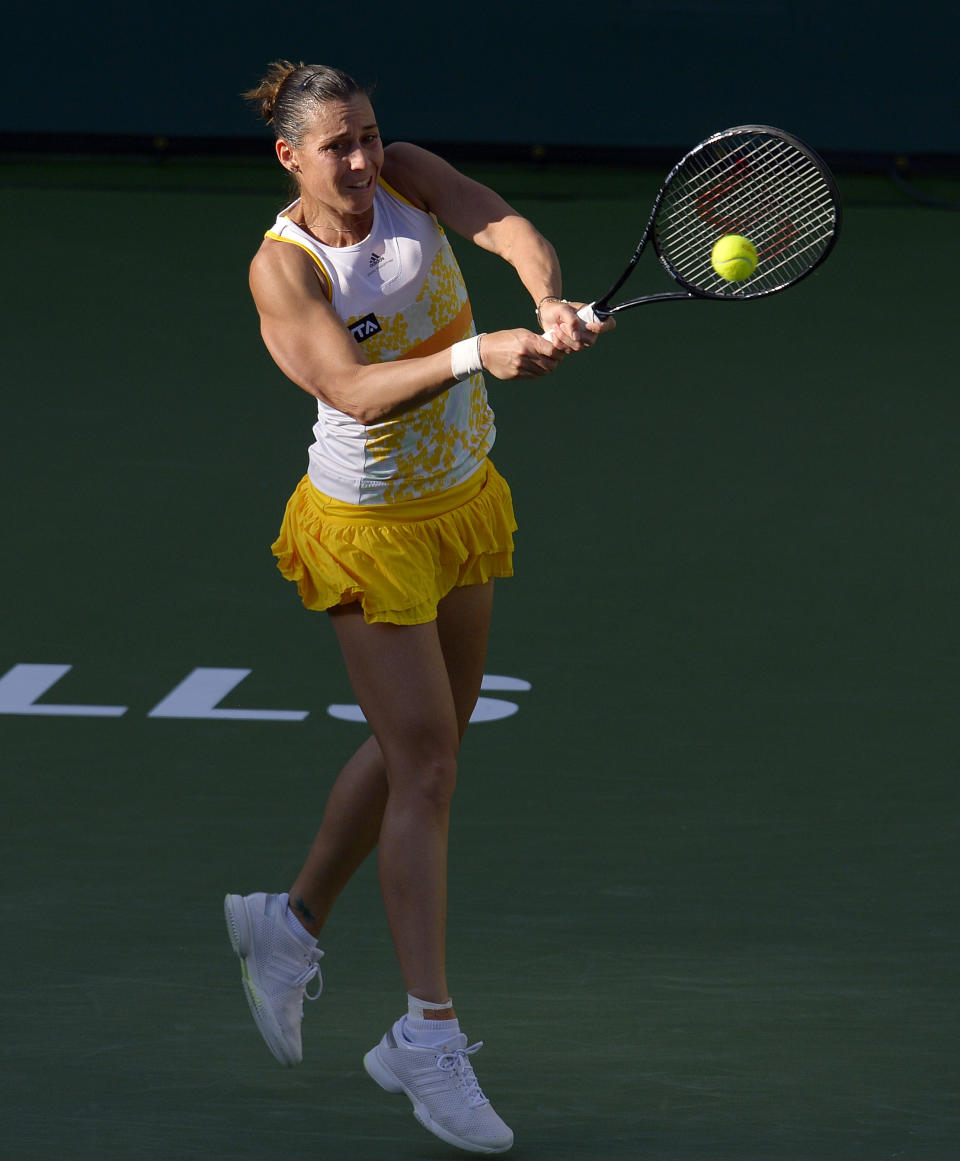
(340, 158)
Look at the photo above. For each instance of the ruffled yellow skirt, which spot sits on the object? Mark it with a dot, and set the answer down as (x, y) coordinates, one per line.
(397, 560)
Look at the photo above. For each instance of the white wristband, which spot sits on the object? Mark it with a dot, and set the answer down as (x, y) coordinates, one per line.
(465, 358)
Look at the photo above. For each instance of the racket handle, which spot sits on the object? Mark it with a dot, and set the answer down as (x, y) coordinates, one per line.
(586, 313)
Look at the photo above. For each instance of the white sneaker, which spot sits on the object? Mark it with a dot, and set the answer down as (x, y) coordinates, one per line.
(446, 1095)
(275, 969)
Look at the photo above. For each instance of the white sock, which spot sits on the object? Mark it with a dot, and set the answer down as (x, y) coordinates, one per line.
(428, 1033)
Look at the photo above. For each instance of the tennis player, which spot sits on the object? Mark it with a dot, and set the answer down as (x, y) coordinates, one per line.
(398, 530)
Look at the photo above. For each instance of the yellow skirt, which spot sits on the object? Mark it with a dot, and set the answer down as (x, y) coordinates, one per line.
(397, 560)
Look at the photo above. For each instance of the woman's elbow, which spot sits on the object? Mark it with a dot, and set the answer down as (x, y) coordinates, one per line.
(366, 412)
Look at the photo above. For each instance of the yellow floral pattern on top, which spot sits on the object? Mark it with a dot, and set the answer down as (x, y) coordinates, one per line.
(429, 442)
(405, 278)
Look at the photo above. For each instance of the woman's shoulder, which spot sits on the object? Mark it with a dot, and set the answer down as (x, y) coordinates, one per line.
(277, 267)
(412, 171)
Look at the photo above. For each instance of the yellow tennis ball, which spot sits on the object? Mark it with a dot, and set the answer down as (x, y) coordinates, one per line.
(734, 257)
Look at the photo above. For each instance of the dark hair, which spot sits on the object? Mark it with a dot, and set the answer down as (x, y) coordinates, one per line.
(290, 94)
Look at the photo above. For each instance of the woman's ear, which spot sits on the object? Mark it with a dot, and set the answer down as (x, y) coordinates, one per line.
(286, 155)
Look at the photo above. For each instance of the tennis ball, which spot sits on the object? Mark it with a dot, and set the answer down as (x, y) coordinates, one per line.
(734, 257)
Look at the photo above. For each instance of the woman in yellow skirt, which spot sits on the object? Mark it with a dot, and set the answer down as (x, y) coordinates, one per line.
(398, 529)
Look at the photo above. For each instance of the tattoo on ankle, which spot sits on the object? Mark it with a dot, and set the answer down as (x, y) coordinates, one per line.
(304, 910)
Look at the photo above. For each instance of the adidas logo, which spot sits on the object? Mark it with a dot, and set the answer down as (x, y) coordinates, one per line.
(375, 260)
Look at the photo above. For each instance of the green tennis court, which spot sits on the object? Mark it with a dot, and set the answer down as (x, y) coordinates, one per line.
(705, 859)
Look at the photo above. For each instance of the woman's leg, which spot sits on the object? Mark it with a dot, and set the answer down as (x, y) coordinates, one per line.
(400, 681)
(417, 686)
(347, 835)
(354, 812)
(463, 625)
(425, 1054)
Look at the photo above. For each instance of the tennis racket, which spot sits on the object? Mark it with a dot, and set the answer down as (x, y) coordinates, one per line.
(753, 181)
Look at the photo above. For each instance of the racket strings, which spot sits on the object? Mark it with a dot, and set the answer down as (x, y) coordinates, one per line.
(765, 197)
(761, 187)
(741, 170)
(783, 245)
(779, 210)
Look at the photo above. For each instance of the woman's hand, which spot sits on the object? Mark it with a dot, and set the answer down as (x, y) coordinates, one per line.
(566, 329)
(519, 354)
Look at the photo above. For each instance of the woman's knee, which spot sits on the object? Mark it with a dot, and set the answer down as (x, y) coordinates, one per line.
(425, 782)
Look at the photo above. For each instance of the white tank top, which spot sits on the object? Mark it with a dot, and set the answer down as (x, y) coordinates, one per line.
(402, 295)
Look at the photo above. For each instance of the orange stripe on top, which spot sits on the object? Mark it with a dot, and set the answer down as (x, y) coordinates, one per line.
(452, 332)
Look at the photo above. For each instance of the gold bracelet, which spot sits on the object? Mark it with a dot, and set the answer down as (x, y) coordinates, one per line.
(546, 298)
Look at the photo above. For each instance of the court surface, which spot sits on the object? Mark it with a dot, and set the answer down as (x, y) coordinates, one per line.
(704, 875)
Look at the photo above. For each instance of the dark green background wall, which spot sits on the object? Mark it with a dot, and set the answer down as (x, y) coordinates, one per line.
(848, 77)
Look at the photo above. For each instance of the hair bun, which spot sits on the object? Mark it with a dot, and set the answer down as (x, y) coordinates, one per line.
(264, 96)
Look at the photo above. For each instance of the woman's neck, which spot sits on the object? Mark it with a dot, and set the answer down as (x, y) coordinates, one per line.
(331, 229)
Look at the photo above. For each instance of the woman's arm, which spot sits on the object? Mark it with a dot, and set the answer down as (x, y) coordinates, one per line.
(313, 347)
(481, 215)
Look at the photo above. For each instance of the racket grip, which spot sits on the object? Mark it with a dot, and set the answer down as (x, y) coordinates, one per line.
(586, 313)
